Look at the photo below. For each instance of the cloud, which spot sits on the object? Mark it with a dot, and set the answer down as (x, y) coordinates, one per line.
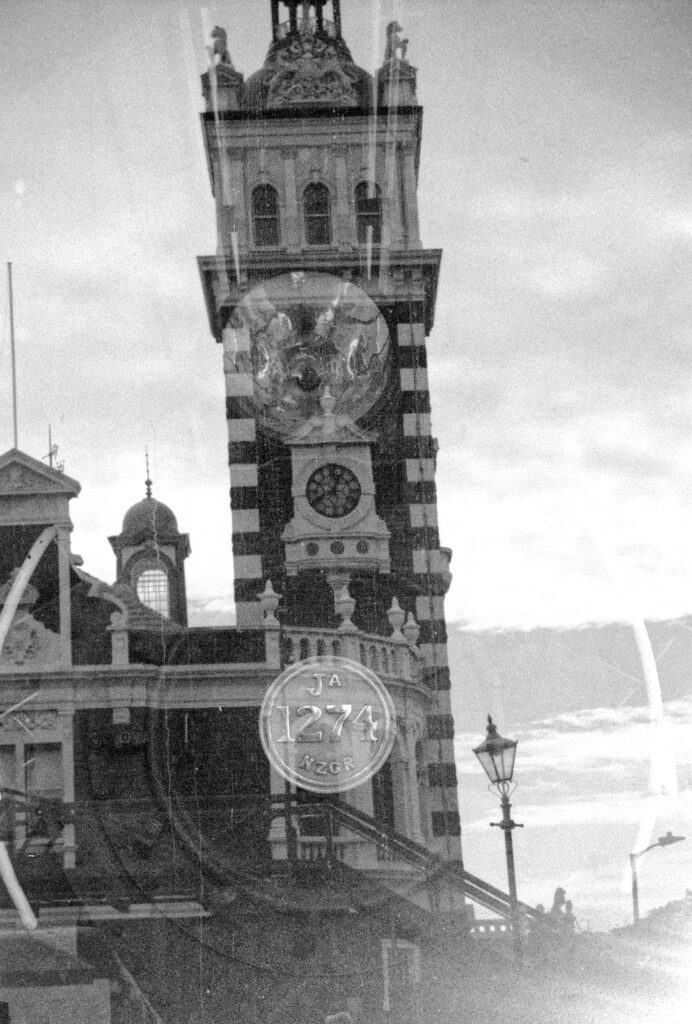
(613, 742)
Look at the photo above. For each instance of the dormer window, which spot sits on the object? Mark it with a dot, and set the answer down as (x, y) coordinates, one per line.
(153, 591)
(317, 211)
(265, 216)
(368, 213)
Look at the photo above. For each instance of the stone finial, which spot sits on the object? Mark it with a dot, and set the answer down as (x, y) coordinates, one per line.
(411, 629)
(218, 51)
(344, 606)
(269, 601)
(222, 85)
(396, 616)
(396, 47)
(396, 79)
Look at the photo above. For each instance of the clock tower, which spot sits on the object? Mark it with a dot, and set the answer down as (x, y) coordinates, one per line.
(322, 298)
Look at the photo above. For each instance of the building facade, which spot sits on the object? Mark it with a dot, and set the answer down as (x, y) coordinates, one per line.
(142, 818)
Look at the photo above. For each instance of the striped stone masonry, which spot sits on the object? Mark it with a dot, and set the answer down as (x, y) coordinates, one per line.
(242, 458)
(430, 573)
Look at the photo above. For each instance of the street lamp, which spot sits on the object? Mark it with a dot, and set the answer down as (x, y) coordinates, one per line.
(665, 840)
(496, 755)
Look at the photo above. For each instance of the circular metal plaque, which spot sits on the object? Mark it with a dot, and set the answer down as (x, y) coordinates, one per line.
(327, 724)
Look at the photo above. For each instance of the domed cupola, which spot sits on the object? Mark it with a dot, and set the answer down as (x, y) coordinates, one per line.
(150, 552)
(308, 64)
(149, 519)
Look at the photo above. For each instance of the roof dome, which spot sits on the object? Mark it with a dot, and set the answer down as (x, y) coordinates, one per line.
(309, 64)
(148, 518)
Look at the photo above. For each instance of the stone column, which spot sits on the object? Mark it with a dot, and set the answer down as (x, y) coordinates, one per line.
(409, 176)
(416, 832)
(392, 227)
(343, 234)
(292, 223)
(63, 542)
(400, 784)
(69, 840)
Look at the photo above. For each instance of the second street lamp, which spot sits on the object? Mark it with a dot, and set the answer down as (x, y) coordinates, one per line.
(496, 755)
(665, 840)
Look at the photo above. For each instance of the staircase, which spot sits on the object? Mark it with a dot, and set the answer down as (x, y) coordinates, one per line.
(337, 815)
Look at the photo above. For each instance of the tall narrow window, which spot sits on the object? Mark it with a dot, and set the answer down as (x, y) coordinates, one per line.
(265, 216)
(42, 778)
(316, 205)
(368, 213)
(152, 590)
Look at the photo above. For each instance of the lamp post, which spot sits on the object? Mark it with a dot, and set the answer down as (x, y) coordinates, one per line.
(665, 840)
(496, 755)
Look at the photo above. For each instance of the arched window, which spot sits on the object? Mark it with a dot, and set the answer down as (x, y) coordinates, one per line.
(265, 216)
(368, 213)
(153, 591)
(317, 210)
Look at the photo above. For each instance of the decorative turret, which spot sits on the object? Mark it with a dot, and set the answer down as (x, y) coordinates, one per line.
(150, 552)
(308, 64)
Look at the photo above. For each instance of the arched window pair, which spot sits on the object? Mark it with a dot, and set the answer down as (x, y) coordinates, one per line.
(317, 215)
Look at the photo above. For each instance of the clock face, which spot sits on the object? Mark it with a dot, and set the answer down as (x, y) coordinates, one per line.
(333, 491)
(309, 333)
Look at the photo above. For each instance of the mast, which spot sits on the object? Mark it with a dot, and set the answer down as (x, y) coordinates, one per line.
(14, 357)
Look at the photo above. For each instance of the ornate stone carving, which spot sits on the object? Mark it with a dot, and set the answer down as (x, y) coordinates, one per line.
(23, 642)
(30, 721)
(16, 477)
(308, 68)
(27, 641)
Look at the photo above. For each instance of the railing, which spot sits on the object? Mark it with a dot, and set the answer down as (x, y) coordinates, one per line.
(387, 657)
(284, 29)
(474, 888)
(33, 824)
(308, 832)
(336, 816)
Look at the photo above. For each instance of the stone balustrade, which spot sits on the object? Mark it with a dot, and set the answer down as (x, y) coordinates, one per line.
(390, 658)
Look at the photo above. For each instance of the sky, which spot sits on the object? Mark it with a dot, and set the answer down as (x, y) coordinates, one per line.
(555, 175)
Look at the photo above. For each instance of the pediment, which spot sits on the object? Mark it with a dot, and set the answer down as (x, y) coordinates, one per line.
(22, 475)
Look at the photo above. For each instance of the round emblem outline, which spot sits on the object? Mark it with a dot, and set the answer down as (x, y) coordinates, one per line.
(334, 785)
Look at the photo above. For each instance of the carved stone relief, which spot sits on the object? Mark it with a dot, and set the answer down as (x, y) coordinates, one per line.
(30, 721)
(28, 641)
(309, 69)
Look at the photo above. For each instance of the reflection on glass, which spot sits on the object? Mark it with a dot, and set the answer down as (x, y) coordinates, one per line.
(309, 333)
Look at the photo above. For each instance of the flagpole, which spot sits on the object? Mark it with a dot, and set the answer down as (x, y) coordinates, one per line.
(14, 357)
